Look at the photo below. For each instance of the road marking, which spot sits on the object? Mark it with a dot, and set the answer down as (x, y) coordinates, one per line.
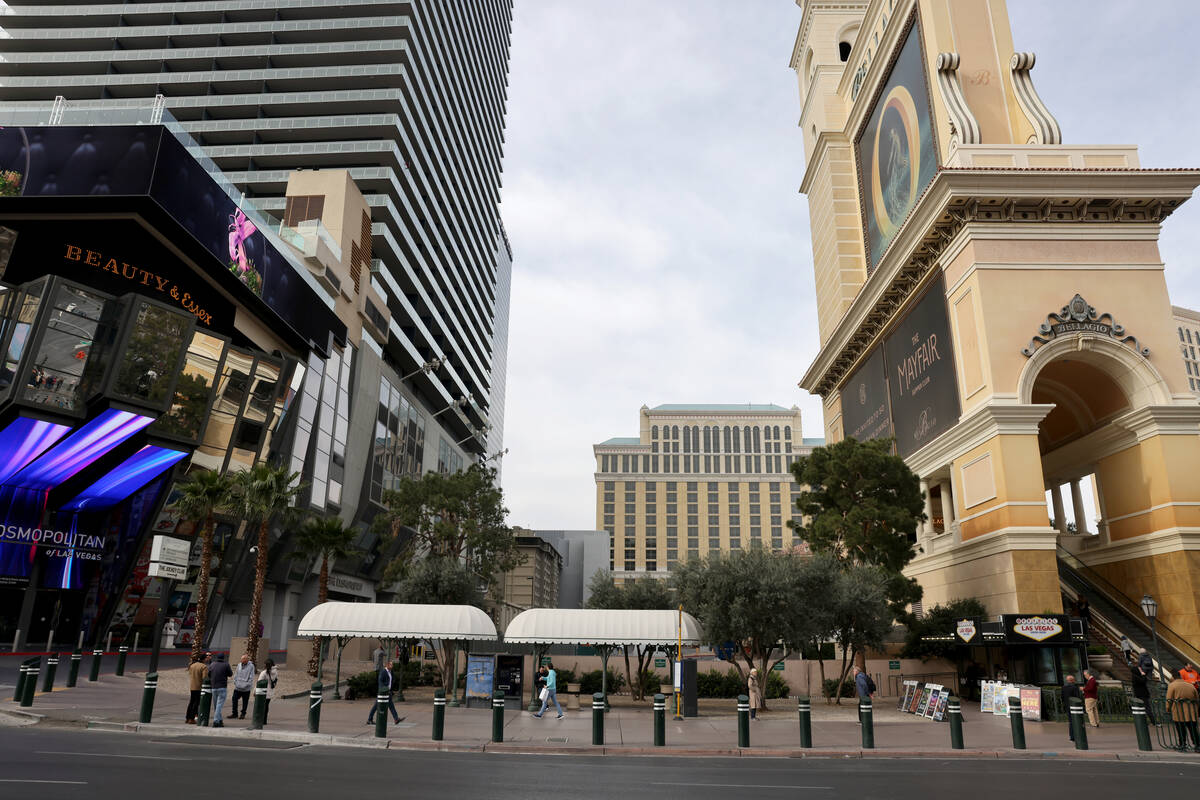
(102, 755)
(31, 780)
(738, 785)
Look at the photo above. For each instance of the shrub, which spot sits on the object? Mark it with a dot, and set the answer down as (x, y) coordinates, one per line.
(715, 683)
(776, 686)
(364, 684)
(431, 675)
(649, 681)
(1097, 650)
(589, 682)
(565, 676)
(830, 686)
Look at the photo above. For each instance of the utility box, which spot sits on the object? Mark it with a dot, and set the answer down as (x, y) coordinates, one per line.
(691, 707)
(509, 671)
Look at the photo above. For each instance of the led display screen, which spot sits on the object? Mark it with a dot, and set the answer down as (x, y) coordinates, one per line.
(135, 472)
(23, 440)
(84, 446)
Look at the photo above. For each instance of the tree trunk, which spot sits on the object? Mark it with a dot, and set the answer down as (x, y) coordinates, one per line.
(448, 661)
(206, 537)
(821, 667)
(847, 662)
(314, 661)
(634, 688)
(260, 580)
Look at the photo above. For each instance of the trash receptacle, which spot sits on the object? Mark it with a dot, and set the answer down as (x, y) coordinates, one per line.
(573, 696)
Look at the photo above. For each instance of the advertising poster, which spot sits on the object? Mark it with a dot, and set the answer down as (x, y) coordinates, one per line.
(915, 703)
(987, 695)
(906, 698)
(1031, 703)
(922, 380)
(935, 692)
(926, 693)
(943, 701)
(479, 680)
(895, 150)
(865, 413)
(1000, 701)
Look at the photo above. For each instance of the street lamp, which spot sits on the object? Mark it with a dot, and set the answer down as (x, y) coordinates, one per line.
(1150, 609)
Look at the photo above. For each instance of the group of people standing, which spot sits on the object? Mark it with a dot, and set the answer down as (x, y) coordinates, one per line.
(218, 671)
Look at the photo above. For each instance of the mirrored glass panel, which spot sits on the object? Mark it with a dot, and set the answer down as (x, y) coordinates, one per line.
(145, 368)
(194, 388)
(65, 347)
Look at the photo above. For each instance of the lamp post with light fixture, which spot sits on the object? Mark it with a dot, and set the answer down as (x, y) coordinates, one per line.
(1150, 609)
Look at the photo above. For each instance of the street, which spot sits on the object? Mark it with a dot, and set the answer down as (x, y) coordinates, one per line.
(49, 763)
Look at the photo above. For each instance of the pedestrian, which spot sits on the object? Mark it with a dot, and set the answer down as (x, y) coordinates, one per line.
(1127, 649)
(755, 692)
(1146, 664)
(1141, 690)
(243, 684)
(550, 691)
(271, 675)
(1070, 690)
(196, 672)
(219, 674)
(1181, 702)
(863, 687)
(1085, 614)
(377, 656)
(1091, 698)
(384, 687)
(1189, 673)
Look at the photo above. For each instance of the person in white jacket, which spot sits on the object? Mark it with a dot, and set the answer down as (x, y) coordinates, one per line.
(271, 676)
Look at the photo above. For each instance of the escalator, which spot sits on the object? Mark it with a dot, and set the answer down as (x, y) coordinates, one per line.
(1119, 614)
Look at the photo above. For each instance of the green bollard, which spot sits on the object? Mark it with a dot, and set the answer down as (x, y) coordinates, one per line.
(22, 671)
(804, 706)
(122, 651)
(148, 689)
(205, 703)
(51, 668)
(660, 720)
(258, 718)
(868, 723)
(95, 673)
(73, 675)
(498, 715)
(598, 718)
(30, 684)
(1140, 726)
(1077, 724)
(1017, 722)
(743, 709)
(315, 695)
(954, 709)
(439, 714)
(381, 714)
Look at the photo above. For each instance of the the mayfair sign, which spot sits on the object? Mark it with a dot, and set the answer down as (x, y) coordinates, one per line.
(1079, 317)
(129, 272)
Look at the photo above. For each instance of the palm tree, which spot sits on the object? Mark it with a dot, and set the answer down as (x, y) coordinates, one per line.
(261, 493)
(324, 538)
(202, 494)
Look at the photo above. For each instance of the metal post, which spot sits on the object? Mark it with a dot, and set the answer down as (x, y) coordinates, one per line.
(136, 636)
(381, 714)
(205, 708)
(73, 675)
(122, 651)
(1078, 729)
(16, 638)
(1017, 722)
(108, 641)
(660, 720)
(30, 685)
(337, 675)
(598, 718)
(315, 695)
(868, 723)
(804, 706)
(22, 671)
(1162, 679)
(51, 668)
(498, 715)
(257, 719)
(94, 675)
(954, 709)
(1140, 726)
(439, 714)
(148, 689)
(743, 711)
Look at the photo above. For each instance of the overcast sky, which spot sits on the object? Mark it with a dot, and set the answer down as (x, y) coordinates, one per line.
(661, 247)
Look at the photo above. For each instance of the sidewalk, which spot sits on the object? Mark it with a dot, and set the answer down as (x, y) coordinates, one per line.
(113, 704)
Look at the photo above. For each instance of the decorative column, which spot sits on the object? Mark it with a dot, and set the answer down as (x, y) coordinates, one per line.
(927, 526)
(947, 504)
(1077, 502)
(1060, 513)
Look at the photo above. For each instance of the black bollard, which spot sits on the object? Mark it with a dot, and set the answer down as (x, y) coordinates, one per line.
(954, 709)
(1078, 727)
(804, 706)
(205, 703)
(315, 695)
(743, 711)
(73, 675)
(1017, 722)
(22, 672)
(598, 718)
(660, 720)
(1140, 726)
(148, 689)
(95, 673)
(51, 668)
(868, 723)
(381, 713)
(498, 715)
(30, 684)
(439, 714)
(122, 651)
(258, 718)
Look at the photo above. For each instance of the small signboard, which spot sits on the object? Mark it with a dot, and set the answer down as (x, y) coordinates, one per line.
(547, 661)
(966, 630)
(778, 666)
(1037, 629)
(660, 663)
(894, 664)
(173, 571)
(169, 550)
(1031, 703)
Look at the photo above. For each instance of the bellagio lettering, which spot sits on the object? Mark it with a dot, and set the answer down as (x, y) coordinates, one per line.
(129, 272)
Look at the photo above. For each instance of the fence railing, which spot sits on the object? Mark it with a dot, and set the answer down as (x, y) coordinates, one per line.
(1175, 723)
(1112, 704)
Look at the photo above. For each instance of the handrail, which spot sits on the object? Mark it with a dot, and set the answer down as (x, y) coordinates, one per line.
(1183, 649)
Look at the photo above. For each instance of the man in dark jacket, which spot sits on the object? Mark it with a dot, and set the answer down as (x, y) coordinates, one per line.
(1070, 689)
(219, 674)
(1141, 690)
(385, 687)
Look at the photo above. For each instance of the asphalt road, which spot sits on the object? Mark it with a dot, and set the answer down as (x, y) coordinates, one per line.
(49, 763)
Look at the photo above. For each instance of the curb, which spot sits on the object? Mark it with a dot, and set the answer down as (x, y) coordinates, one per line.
(26, 716)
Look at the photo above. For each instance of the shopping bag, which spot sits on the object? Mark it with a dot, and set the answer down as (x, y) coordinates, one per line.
(545, 693)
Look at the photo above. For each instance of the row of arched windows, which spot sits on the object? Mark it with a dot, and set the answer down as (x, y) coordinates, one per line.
(730, 439)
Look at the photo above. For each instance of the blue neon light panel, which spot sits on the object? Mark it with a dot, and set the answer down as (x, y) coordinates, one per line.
(81, 448)
(23, 440)
(135, 472)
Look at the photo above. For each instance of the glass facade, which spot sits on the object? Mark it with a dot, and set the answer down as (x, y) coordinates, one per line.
(399, 440)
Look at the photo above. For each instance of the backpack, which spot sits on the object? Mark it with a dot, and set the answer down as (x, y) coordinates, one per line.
(870, 684)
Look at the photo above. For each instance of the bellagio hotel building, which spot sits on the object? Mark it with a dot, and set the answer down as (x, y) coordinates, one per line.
(697, 479)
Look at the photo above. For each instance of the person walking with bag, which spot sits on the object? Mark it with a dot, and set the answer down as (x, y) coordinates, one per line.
(385, 687)
(550, 692)
(271, 676)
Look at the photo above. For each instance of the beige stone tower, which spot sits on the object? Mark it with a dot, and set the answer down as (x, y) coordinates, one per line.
(994, 299)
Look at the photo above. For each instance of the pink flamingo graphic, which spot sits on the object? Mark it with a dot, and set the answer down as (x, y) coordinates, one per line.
(240, 229)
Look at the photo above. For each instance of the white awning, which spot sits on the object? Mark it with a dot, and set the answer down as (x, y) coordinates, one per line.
(599, 627)
(397, 621)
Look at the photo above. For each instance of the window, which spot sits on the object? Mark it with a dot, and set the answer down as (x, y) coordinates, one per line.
(844, 51)
(302, 208)
(687, 439)
(654, 432)
(728, 448)
(737, 440)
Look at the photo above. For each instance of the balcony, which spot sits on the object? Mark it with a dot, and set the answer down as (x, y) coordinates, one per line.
(319, 252)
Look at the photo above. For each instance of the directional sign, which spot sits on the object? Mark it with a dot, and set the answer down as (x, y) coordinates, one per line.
(172, 571)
